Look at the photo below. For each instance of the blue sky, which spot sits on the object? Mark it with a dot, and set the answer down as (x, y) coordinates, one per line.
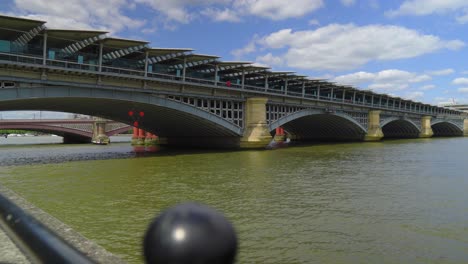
(414, 49)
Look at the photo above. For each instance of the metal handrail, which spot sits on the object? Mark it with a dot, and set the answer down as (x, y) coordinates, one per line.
(36, 240)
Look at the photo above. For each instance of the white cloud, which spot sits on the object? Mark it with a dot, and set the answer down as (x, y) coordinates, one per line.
(421, 78)
(231, 10)
(271, 60)
(314, 22)
(355, 78)
(176, 10)
(221, 15)
(348, 2)
(460, 81)
(427, 87)
(384, 81)
(344, 47)
(249, 48)
(417, 95)
(79, 14)
(463, 90)
(442, 72)
(428, 7)
(278, 9)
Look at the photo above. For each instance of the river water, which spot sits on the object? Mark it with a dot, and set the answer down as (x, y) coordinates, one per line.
(400, 201)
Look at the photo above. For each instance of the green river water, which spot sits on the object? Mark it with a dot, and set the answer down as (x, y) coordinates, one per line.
(401, 201)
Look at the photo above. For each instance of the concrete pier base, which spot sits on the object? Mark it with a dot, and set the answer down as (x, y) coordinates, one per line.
(426, 128)
(256, 132)
(99, 133)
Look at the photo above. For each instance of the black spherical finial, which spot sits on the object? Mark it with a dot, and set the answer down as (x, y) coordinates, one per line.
(190, 233)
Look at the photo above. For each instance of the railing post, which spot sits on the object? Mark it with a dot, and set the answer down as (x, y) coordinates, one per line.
(184, 69)
(243, 79)
(44, 50)
(216, 75)
(101, 48)
(286, 86)
(146, 63)
(303, 89)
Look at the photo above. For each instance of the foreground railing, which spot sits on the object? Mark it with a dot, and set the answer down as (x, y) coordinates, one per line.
(34, 239)
(187, 233)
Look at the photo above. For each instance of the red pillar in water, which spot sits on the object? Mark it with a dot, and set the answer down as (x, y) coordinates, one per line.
(141, 133)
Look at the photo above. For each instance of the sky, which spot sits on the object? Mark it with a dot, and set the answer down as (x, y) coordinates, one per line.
(414, 49)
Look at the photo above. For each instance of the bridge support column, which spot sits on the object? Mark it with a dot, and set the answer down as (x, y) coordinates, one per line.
(135, 136)
(465, 127)
(256, 134)
(151, 139)
(280, 135)
(99, 133)
(374, 132)
(426, 128)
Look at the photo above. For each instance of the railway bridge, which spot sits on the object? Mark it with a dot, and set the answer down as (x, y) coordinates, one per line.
(72, 130)
(194, 99)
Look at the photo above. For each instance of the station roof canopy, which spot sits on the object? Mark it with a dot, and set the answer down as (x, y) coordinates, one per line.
(59, 38)
(158, 52)
(11, 28)
(224, 67)
(249, 71)
(193, 60)
(120, 43)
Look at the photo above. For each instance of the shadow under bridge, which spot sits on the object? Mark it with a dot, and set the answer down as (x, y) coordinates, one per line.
(318, 125)
(399, 128)
(446, 129)
(176, 122)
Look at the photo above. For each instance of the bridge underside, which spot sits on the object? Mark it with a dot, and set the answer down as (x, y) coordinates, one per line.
(172, 126)
(446, 129)
(400, 129)
(69, 136)
(323, 127)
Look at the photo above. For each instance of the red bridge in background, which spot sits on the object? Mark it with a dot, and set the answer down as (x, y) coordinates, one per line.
(72, 130)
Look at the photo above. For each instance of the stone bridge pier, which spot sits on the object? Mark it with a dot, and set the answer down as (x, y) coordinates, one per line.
(256, 132)
(374, 131)
(99, 133)
(426, 128)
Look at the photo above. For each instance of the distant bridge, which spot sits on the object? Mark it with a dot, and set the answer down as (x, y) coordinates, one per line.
(195, 99)
(72, 130)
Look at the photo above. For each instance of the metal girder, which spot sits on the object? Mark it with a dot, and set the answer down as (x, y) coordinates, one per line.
(122, 52)
(81, 44)
(27, 36)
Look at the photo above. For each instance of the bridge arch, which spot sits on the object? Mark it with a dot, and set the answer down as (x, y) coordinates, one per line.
(397, 127)
(69, 135)
(114, 103)
(446, 129)
(312, 124)
(164, 117)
